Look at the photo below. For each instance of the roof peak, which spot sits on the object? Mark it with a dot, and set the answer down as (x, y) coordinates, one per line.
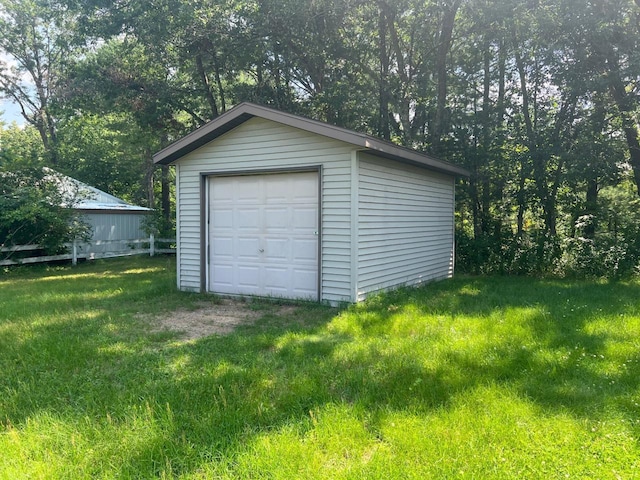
(244, 111)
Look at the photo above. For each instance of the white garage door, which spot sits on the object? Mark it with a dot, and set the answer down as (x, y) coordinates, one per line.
(263, 235)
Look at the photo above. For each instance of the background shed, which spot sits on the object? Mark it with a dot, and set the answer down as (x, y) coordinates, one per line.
(111, 218)
(274, 204)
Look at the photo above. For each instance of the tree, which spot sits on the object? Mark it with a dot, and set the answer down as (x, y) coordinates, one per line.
(534, 98)
(35, 39)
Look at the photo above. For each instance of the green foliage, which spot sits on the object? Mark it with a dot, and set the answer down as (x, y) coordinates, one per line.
(34, 210)
(104, 151)
(533, 253)
(602, 257)
(614, 252)
(21, 146)
(157, 224)
(36, 44)
(538, 100)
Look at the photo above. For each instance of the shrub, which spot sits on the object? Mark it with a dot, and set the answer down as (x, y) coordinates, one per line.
(34, 210)
(534, 253)
(611, 255)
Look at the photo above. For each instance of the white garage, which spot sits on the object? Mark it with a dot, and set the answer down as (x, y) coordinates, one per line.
(273, 204)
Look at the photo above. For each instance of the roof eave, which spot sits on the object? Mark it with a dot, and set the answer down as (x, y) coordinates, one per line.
(405, 155)
(243, 112)
(203, 135)
(92, 209)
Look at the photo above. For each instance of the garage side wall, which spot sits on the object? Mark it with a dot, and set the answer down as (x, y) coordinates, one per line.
(405, 225)
(260, 145)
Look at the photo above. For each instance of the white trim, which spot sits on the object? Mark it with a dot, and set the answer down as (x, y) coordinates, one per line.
(355, 166)
(453, 226)
(207, 233)
(178, 239)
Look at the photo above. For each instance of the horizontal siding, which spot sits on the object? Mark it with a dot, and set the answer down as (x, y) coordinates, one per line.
(405, 225)
(115, 226)
(260, 144)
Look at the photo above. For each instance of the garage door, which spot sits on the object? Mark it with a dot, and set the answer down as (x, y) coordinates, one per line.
(263, 235)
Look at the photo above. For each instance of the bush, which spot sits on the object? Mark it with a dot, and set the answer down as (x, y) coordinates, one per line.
(612, 255)
(535, 253)
(34, 210)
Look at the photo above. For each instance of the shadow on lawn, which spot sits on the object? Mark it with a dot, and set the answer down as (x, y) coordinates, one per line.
(222, 391)
(559, 360)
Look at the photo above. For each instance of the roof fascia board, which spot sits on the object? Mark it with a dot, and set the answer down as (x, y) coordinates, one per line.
(216, 127)
(394, 152)
(136, 211)
(436, 166)
(241, 113)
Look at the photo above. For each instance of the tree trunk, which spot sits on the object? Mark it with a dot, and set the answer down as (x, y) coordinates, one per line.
(486, 141)
(521, 202)
(383, 92)
(216, 65)
(403, 101)
(444, 46)
(206, 87)
(166, 194)
(629, 125)
(148, 179)
(591, 206)
(539, 158)
(498, 135)
(475, 203)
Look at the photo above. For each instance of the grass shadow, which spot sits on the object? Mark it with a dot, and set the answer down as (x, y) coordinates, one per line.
(176, 405)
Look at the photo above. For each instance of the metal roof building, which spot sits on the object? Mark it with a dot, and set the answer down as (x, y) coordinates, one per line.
(111, 218)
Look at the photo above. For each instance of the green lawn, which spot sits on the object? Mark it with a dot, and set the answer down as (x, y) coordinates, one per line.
(468, 378)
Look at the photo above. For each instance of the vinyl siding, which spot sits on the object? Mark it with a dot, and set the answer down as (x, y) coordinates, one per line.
(260, 144)
(404, 225)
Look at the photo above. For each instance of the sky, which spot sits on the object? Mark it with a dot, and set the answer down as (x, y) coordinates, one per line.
(9, 112)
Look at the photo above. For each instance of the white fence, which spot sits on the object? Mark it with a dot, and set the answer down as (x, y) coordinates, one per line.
(80, 250)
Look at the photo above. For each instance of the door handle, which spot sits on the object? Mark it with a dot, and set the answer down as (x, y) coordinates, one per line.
(261, 250)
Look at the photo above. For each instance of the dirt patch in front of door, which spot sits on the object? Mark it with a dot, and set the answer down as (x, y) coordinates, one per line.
(210, 319)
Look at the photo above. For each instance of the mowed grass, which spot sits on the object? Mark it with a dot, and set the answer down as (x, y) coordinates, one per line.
(467, 378)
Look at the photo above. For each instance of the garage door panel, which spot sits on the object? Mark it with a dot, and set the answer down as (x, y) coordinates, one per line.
(304, 218)
(246, 189)
(304, 250)
(247, 277)
(276, 218)
(276, 189)
(306, 282)
(247, 249)
(276, 279)
(264, 242)
(247, 219)
(276, 249)
(223, 247)
(223, 277)
(222, 218)
(305, 191)
(223, 194)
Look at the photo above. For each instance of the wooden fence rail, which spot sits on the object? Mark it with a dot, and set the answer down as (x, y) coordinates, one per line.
(87, 250)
